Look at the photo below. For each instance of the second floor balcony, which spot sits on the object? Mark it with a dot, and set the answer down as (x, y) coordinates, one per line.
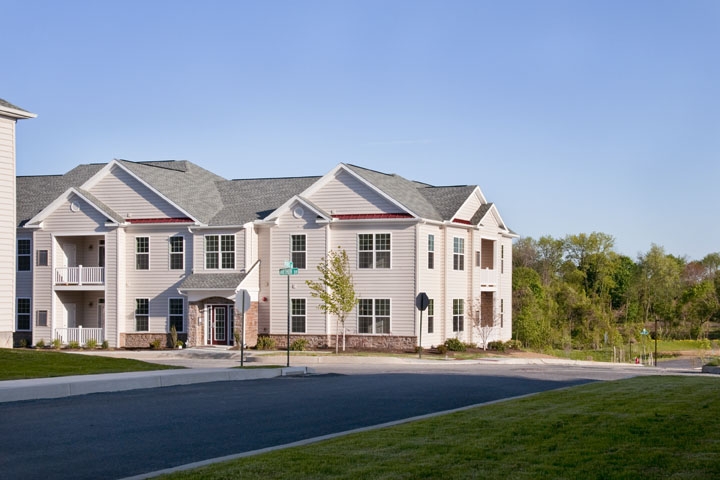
(80, 277)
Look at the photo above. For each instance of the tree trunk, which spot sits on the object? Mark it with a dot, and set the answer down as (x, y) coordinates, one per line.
(337, 334)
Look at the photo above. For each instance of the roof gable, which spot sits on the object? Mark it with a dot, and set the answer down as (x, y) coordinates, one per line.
(70, 196)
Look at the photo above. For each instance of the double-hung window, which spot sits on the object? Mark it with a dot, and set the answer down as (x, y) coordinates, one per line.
(220, 252)
(298, 250)
(176, 314)
(431, 252)
(374, 315)
(142, 253)
(41, 258)
(458, 253)
(142, 314)
(177, 252)
(431, 315)
(458, 315)
(23, 255)
(41, 318)
(374, 250)
(298, 315)
(22, 313)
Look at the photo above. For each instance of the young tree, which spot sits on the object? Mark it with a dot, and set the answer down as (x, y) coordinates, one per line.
(335, 289)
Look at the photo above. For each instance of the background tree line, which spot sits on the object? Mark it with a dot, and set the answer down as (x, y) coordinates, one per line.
(577, 292)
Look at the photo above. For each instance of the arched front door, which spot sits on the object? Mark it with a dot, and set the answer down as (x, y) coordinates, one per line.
(220, 326)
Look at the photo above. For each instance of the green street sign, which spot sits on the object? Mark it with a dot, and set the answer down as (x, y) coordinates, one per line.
(288, 271)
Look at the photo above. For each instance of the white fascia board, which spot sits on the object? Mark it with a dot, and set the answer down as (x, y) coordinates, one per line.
(476, 192)
(15, 113)
(45, 212)
(285, 207)
(92, 181)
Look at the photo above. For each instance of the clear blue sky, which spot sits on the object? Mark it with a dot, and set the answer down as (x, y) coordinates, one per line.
(572, 116)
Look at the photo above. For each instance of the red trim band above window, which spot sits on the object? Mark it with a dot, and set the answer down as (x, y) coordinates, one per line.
(369, 216)
(464, 222)
(159, 220)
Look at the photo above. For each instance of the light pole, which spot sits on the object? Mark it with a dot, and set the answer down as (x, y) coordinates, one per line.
(287, 271)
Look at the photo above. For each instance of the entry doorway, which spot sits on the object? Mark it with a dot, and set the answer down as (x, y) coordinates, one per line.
(220, 325)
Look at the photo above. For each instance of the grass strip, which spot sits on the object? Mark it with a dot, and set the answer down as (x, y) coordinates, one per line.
(644, 427)
(20, 364)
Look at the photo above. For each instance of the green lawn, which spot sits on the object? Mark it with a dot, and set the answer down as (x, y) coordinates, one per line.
(645, 427)
(19, 364)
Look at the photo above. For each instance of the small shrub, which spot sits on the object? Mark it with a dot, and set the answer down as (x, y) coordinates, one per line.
(513, 345)
(155, 344)
(40, 343)
(74, 345)
(499, 346)
(105, 345)
(56, 343)
(298, 345)
(180, 344)
(91, 344)
(714, 362)
(442, 349)
(454, 345)
(236, 336)
(23, 343)
(470, 345)
(265, 343)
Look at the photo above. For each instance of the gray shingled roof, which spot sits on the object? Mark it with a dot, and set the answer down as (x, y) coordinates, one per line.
(187, 185)
(37, 192)
(223, 281)
(212, 200)
(404, 191)
(447, 200)
(249, 200)
(112, 214)
(6, 104)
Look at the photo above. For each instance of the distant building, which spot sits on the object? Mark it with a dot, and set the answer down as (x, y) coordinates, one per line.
(123, 251)
(9, 115)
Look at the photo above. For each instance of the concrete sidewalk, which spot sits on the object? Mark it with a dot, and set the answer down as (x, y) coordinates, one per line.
(200, 366)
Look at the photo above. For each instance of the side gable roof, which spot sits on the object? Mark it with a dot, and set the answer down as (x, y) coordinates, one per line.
(447, 200)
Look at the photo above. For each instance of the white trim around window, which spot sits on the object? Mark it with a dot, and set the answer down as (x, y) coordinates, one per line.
(176, 252)
(374, 316)
(298, 315)
(219, 251)
(142, 253)
(176, 314)
(374, 250)
(298, 251)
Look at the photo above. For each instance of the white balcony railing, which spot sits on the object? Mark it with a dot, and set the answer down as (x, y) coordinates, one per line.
(80, 335)
(80, 275)
(488, 276)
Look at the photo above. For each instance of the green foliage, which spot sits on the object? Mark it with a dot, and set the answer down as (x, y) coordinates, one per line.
(335, 288)
(40, 343)
(454, 345)
(73, 345)
(236, 336)
(577, 292)
(155, 344)
(91, 344)
(56, 343)
(299, 345)
(265, 343)
(23, 343)
(498, 345)
(105, 345)
(441, 349)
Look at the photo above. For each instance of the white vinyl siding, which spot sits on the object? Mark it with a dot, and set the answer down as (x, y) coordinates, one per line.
(346, 194)
(66, 220)
(130, 198)
(7, 229)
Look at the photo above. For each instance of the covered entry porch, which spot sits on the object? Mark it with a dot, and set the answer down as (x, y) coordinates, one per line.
(79, 317)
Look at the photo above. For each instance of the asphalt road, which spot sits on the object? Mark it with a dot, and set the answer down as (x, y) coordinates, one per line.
(116, 435)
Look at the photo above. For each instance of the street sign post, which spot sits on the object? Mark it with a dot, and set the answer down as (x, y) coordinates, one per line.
(421, 301)
(288, 271)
